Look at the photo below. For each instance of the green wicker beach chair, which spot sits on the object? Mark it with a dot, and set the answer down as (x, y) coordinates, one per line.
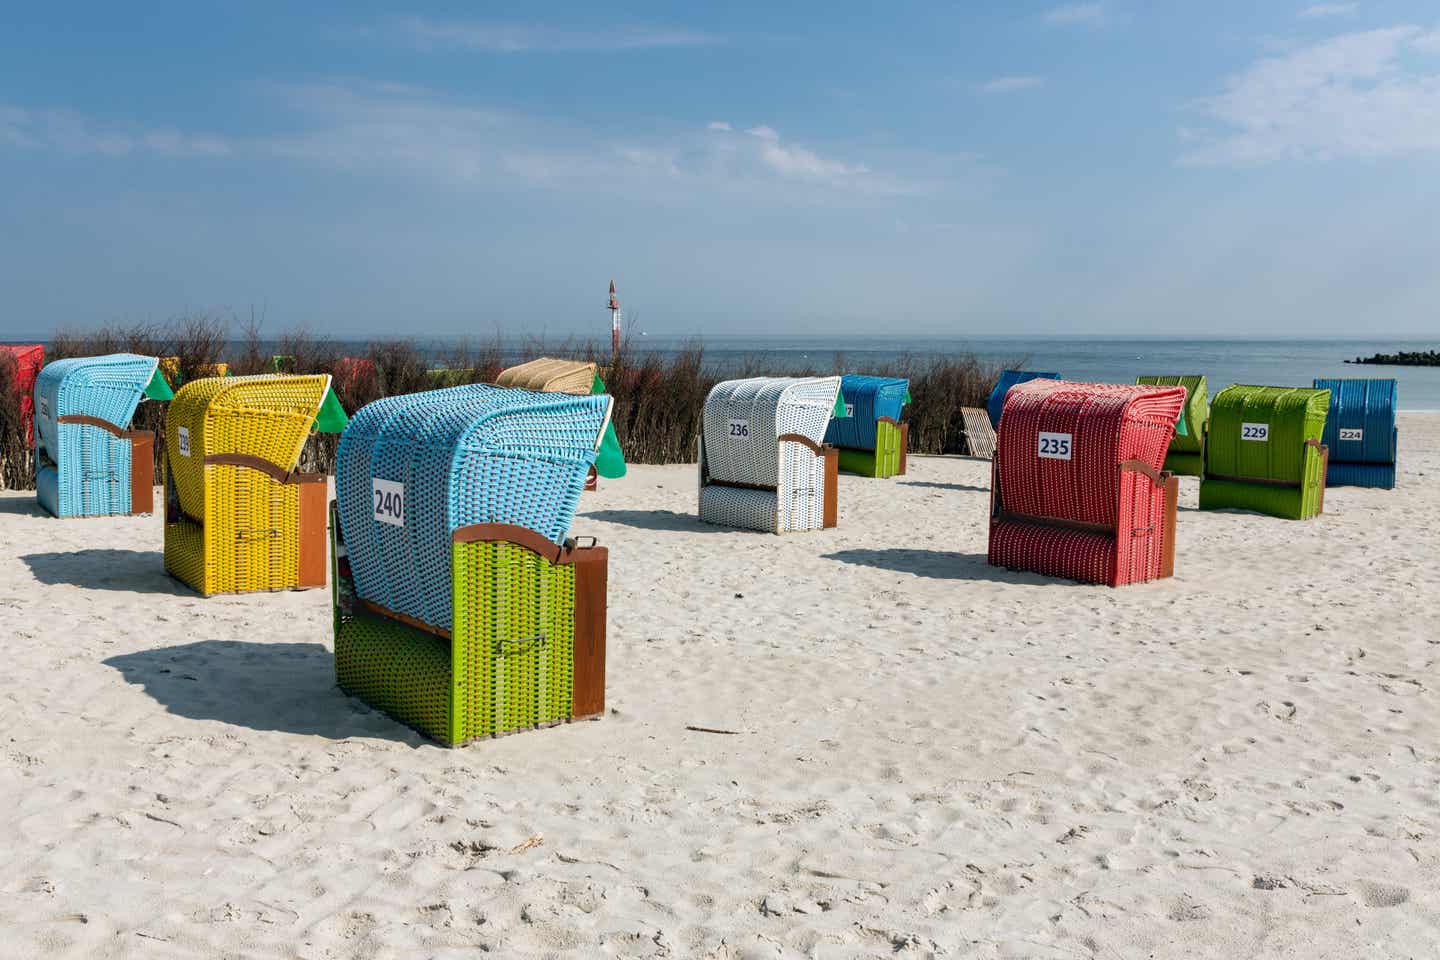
(1263, 451)
(1187, 451)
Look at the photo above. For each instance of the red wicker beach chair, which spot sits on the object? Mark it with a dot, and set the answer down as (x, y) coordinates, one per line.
(1077, 489)
(28, 359)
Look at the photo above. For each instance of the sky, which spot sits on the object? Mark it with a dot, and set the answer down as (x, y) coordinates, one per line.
(965, 169)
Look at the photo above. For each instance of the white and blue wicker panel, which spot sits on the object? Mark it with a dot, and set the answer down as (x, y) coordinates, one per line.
(738, 507)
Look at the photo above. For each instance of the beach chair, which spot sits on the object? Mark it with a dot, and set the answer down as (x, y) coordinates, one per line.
(25, 361)
(461, 608)
(870, 437)
(1187, 451)
(170, 368)
(238, 515)
(1264, 451)
(88, 462)
(1077, 489)
(1360, 433)
(578, 377)
(1008, 379)
(979, 432)
(763, 463)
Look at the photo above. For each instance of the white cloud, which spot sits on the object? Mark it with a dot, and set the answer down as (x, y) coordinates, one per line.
(1011, 84)
(1428, 42)
(764, 133)
(1075, 13)
(1355, 95)
(1318, 10)
(523, 38)
(720, 125)
(69, 132)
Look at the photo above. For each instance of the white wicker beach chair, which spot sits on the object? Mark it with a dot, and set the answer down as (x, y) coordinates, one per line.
(763, 463)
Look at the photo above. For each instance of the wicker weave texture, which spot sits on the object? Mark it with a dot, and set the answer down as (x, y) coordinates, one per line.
(549, 375)
(1103, 426)
(881, 460)
(1009, 378)
(83, 470)
(463, 455)
(1360, 431)
(1197, 410)
(508, 665)
(27, 359)
(742, 420)
(867, 399)
(240, 527)
(1281, 475)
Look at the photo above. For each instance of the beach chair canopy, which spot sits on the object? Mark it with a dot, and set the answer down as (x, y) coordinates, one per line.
(1077, 472)
(1008, 379)
(25, 361)
(1360, 432)
(107, 388)
(259, 420)
(549, 375)
(743, 419)
(578, 377)
(866, 400)
(170, 368)
(1261, 433)
(413, 469)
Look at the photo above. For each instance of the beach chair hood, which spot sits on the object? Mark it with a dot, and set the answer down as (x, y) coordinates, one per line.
(107, 388)
(867, 401)
(1360, 432)
(743, 419)
(413, 469)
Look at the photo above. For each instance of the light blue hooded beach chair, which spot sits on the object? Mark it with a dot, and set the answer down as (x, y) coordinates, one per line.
(89, 463)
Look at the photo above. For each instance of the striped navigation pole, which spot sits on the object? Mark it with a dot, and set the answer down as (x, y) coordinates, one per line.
(614, 323)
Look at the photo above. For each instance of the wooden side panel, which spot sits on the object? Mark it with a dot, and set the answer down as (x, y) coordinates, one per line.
(142, 471)
(832, 487)
(313, 497)
(1324, 475)
(1172, 498)
(904, 446)
(592, 572)
(592, 480)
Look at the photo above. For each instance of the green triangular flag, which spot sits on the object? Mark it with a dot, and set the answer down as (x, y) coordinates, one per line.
(609, 459)
(907, 395)
(332, 418)
(839, 410)
(157, 388)
(1181, 430)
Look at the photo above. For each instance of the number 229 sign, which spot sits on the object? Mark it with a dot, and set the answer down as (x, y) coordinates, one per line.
(1255, 431)
(1054, 446)
(389, 501)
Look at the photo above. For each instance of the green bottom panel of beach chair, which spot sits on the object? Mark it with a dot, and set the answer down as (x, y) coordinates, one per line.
(1185, 464)
(1290, 503)
(884, 461)
(398, 669)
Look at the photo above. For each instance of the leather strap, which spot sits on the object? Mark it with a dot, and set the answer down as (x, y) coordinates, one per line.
(520, 536)
(279, 474)
(804, 441)
(105, 425)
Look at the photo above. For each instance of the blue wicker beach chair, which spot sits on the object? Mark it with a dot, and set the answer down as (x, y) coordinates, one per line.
(763, 465)
(1008, 379)
(1360, 433)
(460, 607)
(870, 437)
(89, 463)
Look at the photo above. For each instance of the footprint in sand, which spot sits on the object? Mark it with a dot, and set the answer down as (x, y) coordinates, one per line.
(1375, 894)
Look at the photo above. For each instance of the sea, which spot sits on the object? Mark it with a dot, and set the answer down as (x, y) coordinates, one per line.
(1294, 362)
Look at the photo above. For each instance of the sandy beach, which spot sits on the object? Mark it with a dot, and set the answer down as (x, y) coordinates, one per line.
(921, 756)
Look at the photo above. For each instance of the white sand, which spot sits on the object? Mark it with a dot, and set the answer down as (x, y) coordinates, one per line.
(936, 758)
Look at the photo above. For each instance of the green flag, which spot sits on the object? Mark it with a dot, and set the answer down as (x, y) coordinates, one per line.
(332, 418)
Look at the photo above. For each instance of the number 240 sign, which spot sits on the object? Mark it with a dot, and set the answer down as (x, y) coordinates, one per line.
(389, 501)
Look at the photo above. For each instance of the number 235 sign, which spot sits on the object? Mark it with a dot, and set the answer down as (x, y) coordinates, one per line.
(1054, 446)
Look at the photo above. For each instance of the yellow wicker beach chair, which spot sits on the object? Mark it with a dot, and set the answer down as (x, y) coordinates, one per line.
(238, 516)
(548, 375)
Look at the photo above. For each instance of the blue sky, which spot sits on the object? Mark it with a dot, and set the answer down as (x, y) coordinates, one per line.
(962, 169)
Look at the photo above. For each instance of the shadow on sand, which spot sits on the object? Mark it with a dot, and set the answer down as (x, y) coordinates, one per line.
(942, 486)
(656, 520)
(282, 687)
(941, 565)
(22, 506)
(132, 571)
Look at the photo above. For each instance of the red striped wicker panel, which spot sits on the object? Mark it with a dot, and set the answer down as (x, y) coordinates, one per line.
(1123, 511)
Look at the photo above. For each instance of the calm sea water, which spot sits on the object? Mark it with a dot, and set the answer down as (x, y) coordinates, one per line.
(1107, 360)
